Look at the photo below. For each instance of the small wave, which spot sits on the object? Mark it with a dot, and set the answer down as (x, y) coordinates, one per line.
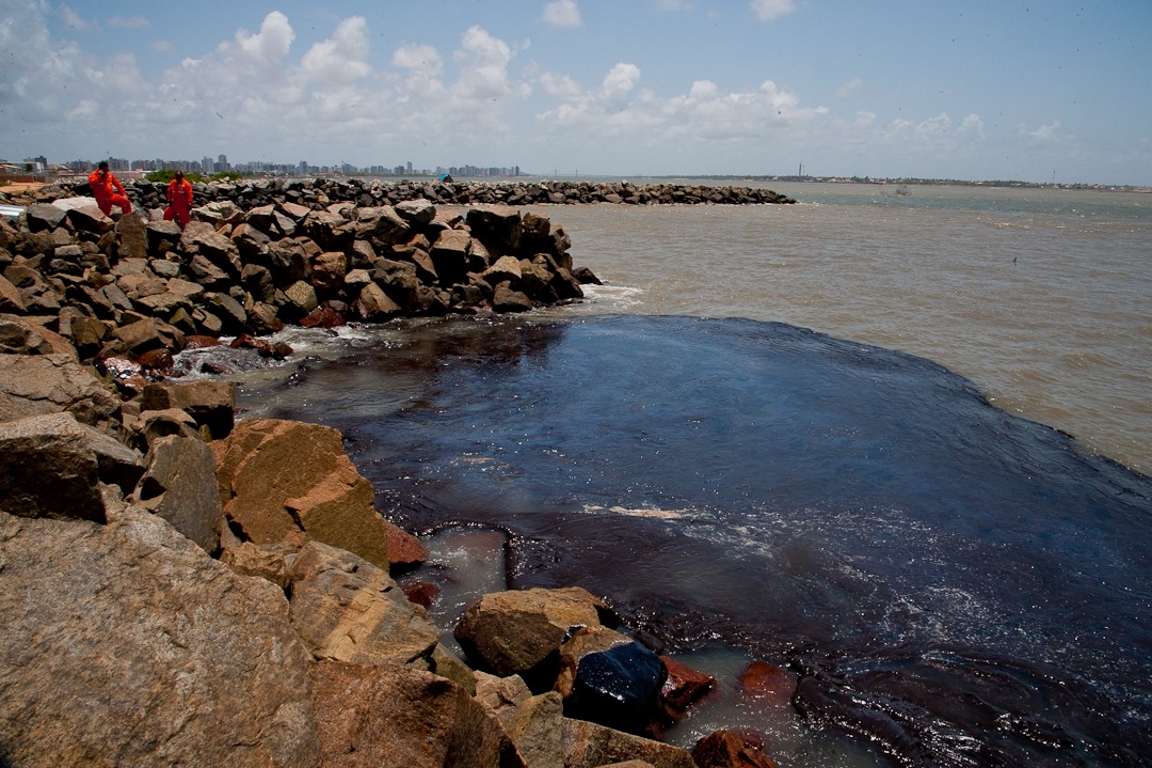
(650, 512)
(620, 294)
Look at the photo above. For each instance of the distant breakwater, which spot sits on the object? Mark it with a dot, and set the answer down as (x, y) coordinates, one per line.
(321, 192)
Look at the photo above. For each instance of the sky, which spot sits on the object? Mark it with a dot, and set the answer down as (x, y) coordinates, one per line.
(1032, 90)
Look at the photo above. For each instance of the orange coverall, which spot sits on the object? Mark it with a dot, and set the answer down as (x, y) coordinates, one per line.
(179, 202)
(102, 183)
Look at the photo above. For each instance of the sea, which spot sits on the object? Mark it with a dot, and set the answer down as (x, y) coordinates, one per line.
(892, 441)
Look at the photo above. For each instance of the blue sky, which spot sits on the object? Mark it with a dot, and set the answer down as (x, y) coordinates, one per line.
(1012, 89)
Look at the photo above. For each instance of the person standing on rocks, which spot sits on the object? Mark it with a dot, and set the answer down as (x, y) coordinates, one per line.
(179, 200)
(108, 190)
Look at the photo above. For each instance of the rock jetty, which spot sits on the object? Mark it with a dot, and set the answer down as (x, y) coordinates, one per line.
(367, 193)
(126, 292)
(181, 588)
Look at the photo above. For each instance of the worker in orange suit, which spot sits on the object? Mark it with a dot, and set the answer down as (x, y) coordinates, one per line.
(179, 200)
(108, 190)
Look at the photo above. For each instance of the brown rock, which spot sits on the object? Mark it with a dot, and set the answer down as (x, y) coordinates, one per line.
(394, 716)
(212, 404)
(50, 466)
(498, 227)
(724, 749)
(147, 334)
(323, 317)
(347, 609)
(268, 562)
(31, 385)
(374, 304)
(143, 651)
(133, 241)
(520, 631)
(505, 268)
(536, 727)
(588, 745)
(450, 250)
(90, 219)
(154, 424)
(683, 687)
(404, 550)
(10, 299)
(505, 299)
(328, 270)
(422, 593)
(279, 477)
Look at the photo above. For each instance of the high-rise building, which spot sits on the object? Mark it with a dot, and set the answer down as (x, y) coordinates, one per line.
(222, 163)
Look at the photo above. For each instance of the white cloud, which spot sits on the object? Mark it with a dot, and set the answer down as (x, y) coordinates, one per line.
(563, 13)
(343, 58)
(73, 20)
(269, 46)
(620, 80)
(1049, 132)
(768, 10)
(559, 85)
(420, 60)
(849, 88)
(972, 126)
(484, 66)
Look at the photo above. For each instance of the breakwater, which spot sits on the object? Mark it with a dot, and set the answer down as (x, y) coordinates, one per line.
(318, 193)
(144, 291)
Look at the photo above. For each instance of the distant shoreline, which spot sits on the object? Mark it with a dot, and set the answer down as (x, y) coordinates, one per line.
(21, 183)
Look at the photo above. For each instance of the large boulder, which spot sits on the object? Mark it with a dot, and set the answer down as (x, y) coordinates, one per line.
(498, 227)
(450, 254)
(142, 650)
(211, 403)
(619, 687)
(370, 716)
(32, 385)
(280, 478)
(346, 609)
(180, 486)
(521, 631)
(44, 217)
(50, 466)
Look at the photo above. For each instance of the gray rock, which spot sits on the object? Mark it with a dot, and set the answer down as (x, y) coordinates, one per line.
(180, 486)
(419, 212)
(143, 651)
(44, 217)
(505, 299)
